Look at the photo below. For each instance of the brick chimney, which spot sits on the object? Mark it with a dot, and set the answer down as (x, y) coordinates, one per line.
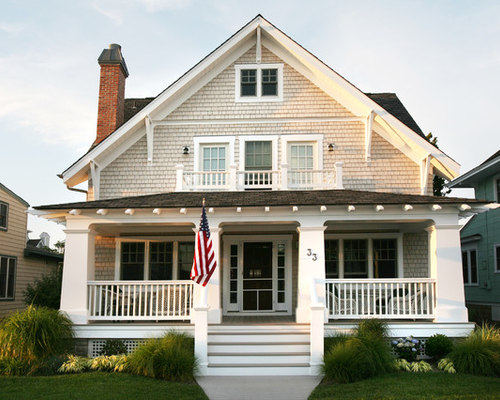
(111, 91)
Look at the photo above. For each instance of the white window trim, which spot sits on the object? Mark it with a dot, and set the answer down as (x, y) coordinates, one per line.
(259, 138)
(6, 227)
(497, 266)
(258, 98)
(369, 237)
(314, 139)
(147, 241)
(213, 140)
(468, 248)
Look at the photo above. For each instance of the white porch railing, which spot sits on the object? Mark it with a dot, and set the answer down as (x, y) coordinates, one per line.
(140, 300)
(381, 298)
(311, 179)
(282, 179)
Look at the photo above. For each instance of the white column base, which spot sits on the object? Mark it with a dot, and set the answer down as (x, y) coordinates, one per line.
(78, 317)
(215, 316)
(450, 313)
(303, 315)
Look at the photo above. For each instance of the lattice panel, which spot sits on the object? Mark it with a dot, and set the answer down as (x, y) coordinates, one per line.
(96, 346)
(421, 353)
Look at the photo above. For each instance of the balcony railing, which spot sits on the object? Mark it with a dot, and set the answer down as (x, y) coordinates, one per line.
(381, 298)
(140, 300)
(283, 179)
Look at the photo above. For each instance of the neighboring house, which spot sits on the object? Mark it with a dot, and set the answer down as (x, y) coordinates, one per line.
(319, 199)
(480, 239)
(20, 263)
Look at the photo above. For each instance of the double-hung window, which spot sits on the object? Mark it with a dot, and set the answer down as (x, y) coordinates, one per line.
(301, 163)
(259, 82)
(214, 161)
(4, 210)
(7, 277)
(469, 265)
(155, 260)
(361, 257)
(258, 164)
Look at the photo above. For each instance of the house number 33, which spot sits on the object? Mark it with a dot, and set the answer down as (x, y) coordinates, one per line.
(310, 253)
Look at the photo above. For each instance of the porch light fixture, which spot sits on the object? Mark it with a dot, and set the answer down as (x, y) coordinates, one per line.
(186, 150)
(436, 207)
(407, 207)
(331, 146)
(129, 211)
(464, 207)
(101, 211)
(74, 212)
(351, 208)
(379, 208)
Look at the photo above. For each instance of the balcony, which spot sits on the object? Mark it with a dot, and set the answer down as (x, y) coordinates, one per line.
(282, 179)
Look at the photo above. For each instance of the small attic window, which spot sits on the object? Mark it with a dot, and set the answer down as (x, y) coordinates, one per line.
(258, 82)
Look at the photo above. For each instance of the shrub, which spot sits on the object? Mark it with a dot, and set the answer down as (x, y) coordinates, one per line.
(446, 365)
(407, 348)
(479, 353)
(438, 346)
(116, 363)
(114, 347)
(75, 365)
(49, 366)
(348, 362)
(45, 292)
(380, 353)
(332, 341)
(35, 334)
(373, 328)
(420, 366)
(171, 358)
(14, 366)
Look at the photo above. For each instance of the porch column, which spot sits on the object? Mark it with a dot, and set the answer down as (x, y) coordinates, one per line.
(79, 257)
(311, 269)
(445, 265)
(214, 285)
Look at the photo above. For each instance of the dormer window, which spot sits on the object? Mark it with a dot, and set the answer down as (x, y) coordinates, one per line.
(259, 82)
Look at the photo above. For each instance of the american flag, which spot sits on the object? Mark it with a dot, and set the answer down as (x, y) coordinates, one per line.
(204, 259)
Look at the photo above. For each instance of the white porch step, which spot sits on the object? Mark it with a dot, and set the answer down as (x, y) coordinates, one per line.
(246, 350)
(259, 370)
(263, 347)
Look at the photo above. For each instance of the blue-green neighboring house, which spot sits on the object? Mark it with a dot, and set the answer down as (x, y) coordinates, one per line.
(480, 239)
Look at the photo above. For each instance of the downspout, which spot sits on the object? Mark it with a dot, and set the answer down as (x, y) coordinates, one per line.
(73, 189)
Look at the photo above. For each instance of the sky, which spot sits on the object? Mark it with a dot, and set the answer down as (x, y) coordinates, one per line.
(442, 58)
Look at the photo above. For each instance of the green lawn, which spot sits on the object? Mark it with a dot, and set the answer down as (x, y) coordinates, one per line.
(96, 386)
(402, 386)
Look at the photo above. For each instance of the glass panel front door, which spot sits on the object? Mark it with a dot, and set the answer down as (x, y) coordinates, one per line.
(258, 276)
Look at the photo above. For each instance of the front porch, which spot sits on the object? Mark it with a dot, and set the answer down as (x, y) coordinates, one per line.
(282, 270)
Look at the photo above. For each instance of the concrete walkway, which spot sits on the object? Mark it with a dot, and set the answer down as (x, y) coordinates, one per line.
(258, 387)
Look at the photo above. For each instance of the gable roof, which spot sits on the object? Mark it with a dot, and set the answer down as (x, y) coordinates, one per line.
(400, 134)
(10, 192)
(471, 178)
(263, 198)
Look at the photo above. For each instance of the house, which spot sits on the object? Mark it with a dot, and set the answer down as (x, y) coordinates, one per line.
(480, 239)
(319, 200)
(20, 263)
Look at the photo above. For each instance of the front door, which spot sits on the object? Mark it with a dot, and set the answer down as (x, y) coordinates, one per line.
(258, 276)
